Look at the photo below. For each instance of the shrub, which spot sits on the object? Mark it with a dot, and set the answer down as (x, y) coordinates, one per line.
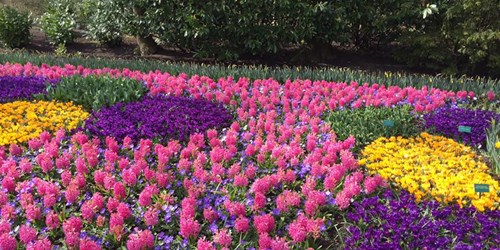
(94, 92)
(18, 87)
(14, 27)
(464, 37)
(162, 118)
(446, 121)
(367, 124)
(104, 25)
(58, 22)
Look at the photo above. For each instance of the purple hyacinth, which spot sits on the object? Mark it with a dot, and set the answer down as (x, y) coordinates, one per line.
(14, 88)
(158, 117)
(446, 121)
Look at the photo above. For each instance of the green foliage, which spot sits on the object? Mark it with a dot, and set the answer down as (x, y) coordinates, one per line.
(367, 124)
(225, 29)
(105, 25)
(477, 84)
(14, 27)
(373, 23)
(59, 22)
(464, 37)
(94, 92)
(493, 153)
(35, 7)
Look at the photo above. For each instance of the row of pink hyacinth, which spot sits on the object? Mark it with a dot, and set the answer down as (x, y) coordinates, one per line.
(317, 94)
(269, 181)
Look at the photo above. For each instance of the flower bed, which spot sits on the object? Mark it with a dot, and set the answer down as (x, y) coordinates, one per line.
(13, 88)
(433, 167)
(276, 178)
(446, 121)
(21, 121)
(161, 118)
(398, 222)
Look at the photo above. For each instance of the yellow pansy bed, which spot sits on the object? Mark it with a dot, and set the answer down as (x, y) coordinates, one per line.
(433, 166)
(21, 121)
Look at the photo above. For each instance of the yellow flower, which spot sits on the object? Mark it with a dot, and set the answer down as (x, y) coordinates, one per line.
(433, 167)
(497, 145)
(22, 120)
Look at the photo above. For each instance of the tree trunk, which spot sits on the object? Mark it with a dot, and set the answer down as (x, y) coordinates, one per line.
(147, 45)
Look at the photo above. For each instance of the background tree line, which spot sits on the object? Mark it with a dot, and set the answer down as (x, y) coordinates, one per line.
(453, 36)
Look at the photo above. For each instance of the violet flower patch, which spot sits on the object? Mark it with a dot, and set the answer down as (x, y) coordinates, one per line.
(391, 222)
(14, 88)
(159, 117)
(446, 121)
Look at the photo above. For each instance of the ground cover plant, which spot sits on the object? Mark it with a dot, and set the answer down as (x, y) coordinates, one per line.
(21, 121)
(257, 168)
(22, 88)
(161, 118)
(397, 221)
(368, 124)
(449, 120)
(433, 166)
(95, 92)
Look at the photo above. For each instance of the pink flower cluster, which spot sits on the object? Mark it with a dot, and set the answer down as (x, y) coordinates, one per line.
(316, 95)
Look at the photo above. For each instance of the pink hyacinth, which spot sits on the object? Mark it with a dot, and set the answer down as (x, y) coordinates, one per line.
(33, 212)
(151, 217)
(189, 228)
(52, 220)
(491, 95)
(15, 150)
(242, 224)
(140, 240)
(123, 210)
(27, 234)
(264, 223)
(210, 215)
(42, 244)
(72, 193)
(87, 211)
(119, 191)
(7, 242)
(264, 241)
(204, 244)
(223, 238)
(87, 244)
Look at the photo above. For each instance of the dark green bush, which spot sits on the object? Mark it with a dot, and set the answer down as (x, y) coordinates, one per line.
(464, 37)
(94, 92)
(58, 22)
(14, 27)
(225, 29)
(367, 124)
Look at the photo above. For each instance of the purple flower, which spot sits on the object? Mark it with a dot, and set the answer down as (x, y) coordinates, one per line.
(446, 121)
(158, 117)
(398, 219)
(14, 88)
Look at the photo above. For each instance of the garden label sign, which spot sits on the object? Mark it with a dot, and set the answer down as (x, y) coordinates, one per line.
(388, 123)
(464, 129)
(481, 188)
